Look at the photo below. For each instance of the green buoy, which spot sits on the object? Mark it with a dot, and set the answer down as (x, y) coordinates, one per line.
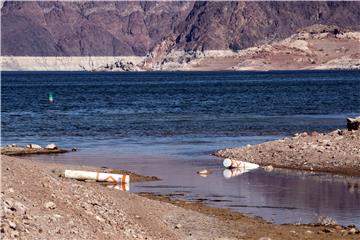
(50, 97)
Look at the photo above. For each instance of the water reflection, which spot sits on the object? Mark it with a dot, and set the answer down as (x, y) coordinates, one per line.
(281, 196)
(123, 187)
(234, 172)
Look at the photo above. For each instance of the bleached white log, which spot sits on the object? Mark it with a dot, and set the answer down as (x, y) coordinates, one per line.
(100, 177)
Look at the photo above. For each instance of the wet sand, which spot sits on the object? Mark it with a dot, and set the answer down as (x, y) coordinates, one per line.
(40, 204)
(335, 152)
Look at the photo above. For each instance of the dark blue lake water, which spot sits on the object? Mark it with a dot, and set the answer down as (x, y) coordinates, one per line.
(167, 124)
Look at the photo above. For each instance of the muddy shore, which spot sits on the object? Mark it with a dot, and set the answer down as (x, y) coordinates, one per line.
(37, 203)
(335, 152)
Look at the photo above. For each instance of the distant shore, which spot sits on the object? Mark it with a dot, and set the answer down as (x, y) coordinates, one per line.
(134, 64)
(317, 48)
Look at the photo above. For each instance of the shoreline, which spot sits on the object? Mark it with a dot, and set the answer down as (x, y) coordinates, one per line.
(92, 204)
(337, 152)
(180, 70)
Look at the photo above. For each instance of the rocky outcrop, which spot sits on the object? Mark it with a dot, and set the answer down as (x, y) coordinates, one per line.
(120, 66)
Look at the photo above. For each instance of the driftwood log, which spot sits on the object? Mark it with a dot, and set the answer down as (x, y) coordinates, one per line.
(353, 123)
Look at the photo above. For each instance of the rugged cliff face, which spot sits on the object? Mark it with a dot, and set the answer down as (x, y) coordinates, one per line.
(134, 28)
(87, 28)
(238, 25)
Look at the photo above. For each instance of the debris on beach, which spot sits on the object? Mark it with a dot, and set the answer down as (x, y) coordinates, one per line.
(204, 172)
(97, 176)
(235, 168)
(231, 163)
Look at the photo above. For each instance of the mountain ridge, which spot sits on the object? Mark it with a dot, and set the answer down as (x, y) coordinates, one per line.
(137, 28)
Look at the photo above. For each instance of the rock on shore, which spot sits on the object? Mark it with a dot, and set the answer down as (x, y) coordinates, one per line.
(336, 152)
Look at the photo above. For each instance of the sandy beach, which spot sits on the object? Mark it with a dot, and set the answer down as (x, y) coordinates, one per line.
(38, 203)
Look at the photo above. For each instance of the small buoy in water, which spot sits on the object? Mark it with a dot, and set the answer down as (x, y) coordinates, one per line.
(204, 173)
(50, 97)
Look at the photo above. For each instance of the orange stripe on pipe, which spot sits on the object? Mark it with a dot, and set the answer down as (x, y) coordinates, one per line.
(235, 163)
(123, 178)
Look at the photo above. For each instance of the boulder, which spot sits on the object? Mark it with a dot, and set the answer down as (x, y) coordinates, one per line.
(353, 123)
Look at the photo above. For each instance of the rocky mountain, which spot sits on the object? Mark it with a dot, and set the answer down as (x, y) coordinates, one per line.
(47, 28)
(135, 28)
(238, 25)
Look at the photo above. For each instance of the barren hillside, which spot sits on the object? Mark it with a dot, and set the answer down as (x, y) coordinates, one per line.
(134, 28)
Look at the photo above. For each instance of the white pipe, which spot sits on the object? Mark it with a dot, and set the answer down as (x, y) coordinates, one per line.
(230, 163)
(100, 177)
